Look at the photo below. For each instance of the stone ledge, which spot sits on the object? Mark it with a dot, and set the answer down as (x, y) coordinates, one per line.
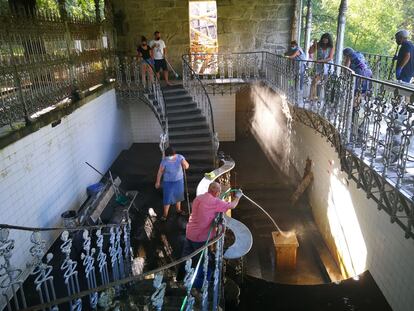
(8, 137)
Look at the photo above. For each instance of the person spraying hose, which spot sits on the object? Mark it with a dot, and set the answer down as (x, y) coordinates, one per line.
(204, 210)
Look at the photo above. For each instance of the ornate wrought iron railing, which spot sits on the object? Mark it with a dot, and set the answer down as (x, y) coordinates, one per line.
(49, 57)
(195, 87)
(382, 66)
(133, 83)
(84, 258)
(370, 122)
(91, 266)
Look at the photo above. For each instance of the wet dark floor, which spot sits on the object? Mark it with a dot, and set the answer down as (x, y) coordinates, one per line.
(261, 288)
(272, 190)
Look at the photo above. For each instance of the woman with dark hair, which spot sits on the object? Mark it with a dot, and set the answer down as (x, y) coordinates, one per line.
(171, 171)
(145, 53)
(356, 61)
(325, 51)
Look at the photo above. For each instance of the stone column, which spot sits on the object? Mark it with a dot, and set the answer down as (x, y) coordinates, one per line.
(308, 28)
(296, 21)
(340, 33)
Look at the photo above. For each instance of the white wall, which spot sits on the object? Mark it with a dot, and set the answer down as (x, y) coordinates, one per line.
(44, 173)
(358, 234)
(224, 112)
(144, 125)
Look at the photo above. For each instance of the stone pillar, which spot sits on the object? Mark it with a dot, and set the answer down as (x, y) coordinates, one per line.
(296, 21)
(340, 33)
(308, 28)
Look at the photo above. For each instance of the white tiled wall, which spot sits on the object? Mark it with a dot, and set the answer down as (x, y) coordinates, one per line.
(379, 245)
(224, 112)
(144, 125)
(44, 173)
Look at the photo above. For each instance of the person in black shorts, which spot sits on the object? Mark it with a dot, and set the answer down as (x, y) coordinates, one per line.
(160, 52)
(145, 54)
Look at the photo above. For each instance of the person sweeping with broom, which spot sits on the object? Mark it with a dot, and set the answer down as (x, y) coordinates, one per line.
(171, 172)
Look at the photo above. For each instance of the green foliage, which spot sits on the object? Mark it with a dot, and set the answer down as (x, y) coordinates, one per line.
(370, 24)
(81, 8)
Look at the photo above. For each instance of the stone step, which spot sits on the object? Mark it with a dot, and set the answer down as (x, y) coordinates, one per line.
(177, 99)
(178, 133)
(173, 87)
(199, 158)
(200, 168)
(183, 111)
(193, 148)
(190, 125)
(185, 118)
(181, 105)
(172, 92)
(194, 140)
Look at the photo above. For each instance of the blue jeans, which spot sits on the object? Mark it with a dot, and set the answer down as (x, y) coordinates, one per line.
(189, 247)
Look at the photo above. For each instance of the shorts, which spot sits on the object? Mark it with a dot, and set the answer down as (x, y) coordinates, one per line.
(148, 61)
(160, 64)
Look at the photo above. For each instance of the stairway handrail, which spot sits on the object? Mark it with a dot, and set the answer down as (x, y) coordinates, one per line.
(155, 87)
(77, 228)
(193, 73)
(132, 278)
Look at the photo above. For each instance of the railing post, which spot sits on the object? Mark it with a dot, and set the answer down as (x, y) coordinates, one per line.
(340, 31)
(68, 39)
(17, 81)
(218, 274)
(308, 28)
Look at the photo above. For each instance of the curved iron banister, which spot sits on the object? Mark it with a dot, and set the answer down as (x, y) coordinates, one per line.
(126, 280)
(371, 122)
(129, 85)
(187, 66)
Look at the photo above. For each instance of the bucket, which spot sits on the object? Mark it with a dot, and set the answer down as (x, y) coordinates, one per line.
(94, 189)
(69, 219)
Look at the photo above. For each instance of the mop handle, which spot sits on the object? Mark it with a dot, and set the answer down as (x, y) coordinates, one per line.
(393, 61)
(171, 67)
(186, 190)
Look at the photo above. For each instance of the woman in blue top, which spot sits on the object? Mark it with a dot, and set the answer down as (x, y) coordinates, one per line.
(171, 171)
(356, 61)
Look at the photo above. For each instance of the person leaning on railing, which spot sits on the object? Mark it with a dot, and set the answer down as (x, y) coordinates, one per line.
(404, 70)
(356, 62)
(295, 52)
(325, 52)
(145, 54)
(204, 210)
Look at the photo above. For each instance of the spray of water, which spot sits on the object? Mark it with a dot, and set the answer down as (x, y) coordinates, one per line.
(285, 234)
(271, 124)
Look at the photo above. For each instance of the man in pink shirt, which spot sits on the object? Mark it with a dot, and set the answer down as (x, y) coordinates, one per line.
(204, 209)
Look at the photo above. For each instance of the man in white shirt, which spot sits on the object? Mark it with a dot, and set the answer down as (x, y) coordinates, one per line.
(160, 52)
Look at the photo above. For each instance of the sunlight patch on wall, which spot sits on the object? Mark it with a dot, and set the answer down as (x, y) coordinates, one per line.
(345, 229)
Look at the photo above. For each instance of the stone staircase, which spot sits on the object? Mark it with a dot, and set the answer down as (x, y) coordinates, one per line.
(189, 133)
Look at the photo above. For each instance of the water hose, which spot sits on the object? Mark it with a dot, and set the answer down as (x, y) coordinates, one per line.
(224, 194)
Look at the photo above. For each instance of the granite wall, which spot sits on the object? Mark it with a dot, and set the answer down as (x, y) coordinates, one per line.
(243, 25)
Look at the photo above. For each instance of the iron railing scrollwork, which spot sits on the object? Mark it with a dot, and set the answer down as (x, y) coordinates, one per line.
(90, 267)
(47, 58)
(79, 266)
(133, 84)
(369, 121)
